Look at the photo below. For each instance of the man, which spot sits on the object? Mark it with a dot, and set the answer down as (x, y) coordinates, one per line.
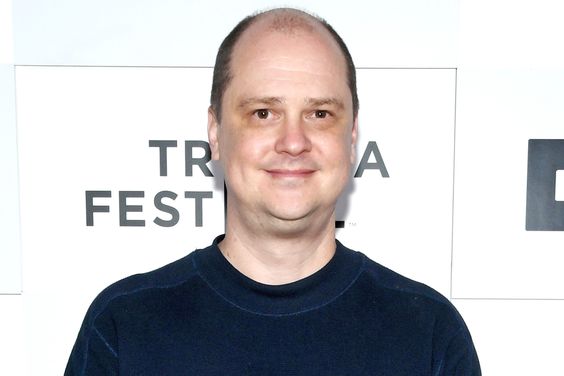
(277, 294)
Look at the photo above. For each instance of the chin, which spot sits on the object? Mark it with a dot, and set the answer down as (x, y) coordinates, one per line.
(290, 216)
(290, 228)
(298, 215)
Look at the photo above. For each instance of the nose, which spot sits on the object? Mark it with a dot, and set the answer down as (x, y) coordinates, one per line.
(293, 138)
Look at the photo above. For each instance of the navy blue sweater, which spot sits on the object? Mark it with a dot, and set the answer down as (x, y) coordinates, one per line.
(200, 316)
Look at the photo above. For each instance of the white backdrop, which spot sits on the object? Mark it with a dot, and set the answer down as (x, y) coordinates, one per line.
(85, 129)
(454, 141)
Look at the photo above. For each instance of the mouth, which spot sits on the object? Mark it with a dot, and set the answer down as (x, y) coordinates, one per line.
(290, 173)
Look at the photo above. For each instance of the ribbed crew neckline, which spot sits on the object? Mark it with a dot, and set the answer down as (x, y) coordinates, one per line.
(309, 293)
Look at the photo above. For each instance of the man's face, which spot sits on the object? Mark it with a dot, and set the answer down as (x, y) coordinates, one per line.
(286, 139)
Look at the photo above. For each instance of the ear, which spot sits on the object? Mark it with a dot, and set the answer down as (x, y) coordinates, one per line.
(354, 136)
(213, 139)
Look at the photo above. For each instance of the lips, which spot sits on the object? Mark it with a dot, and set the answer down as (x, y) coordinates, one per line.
(290, 173)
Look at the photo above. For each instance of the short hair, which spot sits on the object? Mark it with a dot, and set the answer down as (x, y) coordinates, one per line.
(287, 20)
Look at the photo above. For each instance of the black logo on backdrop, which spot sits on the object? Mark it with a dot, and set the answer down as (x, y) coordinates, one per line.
(163, 201)
(544, 213)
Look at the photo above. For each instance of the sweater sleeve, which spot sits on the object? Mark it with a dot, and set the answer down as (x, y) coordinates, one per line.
(95, 350)
(460, 357)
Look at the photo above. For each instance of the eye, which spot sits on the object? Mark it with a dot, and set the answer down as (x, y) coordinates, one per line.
(320, 114)
(262, 113)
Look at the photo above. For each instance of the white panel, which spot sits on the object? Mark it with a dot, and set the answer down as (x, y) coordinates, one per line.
(505, 34)
(405, 221)
(402, 33)
(84, 129)
(6, 34)
(494, 256)
(89, 129)
(517, 338)
(10, 259)
(12, 339)
(559, 195)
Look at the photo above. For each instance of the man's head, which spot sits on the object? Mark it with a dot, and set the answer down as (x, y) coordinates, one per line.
(286, 127)
(286, 20)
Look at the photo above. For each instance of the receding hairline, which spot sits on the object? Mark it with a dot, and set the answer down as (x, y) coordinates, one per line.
(290, 21)
(287, 21)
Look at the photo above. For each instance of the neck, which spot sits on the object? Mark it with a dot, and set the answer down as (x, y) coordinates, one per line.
(276, 258)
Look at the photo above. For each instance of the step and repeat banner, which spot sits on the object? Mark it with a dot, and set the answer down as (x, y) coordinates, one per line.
(458, 182)
(116, 179)
(509, 189)
(10, 255)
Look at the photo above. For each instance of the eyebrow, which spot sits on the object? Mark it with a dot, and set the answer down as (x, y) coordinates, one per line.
(325, 101)
(260, 100)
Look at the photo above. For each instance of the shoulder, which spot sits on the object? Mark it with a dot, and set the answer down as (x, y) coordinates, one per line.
(406, 297)
(97, 343)
(167, 277)
(426, 313)
(400, 285)
(385, 280)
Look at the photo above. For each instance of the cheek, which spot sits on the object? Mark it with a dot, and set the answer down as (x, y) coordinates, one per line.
(337, 147)
(243, 148)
